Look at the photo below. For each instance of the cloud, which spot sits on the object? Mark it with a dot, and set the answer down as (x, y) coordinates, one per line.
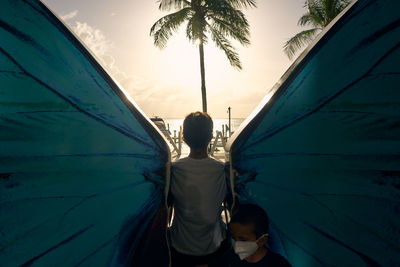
(151, 96)
(160, 98)
(100, 46)
(93, 38)
(70, 15)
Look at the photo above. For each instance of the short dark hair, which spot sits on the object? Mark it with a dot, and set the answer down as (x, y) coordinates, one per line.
(252, 214)
(197, 129)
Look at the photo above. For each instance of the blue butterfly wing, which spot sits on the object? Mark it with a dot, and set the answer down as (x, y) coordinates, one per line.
(73, 148)
(326, 146)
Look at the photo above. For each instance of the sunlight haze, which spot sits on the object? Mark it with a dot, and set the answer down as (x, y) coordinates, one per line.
(166, 82)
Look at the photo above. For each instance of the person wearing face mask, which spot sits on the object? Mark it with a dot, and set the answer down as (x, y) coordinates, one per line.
(249, 231)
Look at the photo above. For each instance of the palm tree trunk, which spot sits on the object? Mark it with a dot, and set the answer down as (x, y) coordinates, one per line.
(203, 77)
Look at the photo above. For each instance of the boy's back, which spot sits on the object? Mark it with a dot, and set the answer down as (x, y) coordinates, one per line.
(198, 187)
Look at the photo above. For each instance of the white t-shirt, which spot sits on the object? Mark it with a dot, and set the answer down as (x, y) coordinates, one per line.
(198, 187)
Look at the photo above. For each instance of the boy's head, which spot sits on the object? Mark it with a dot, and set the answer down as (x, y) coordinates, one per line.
(197, 129)
(249, 228)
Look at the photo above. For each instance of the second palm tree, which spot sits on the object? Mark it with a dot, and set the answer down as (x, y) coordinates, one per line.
(319, 14)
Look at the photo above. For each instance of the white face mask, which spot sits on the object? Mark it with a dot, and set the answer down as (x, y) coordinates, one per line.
(245, 248)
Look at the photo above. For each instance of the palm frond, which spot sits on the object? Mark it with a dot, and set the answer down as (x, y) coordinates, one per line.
(341, 5)
(308, 19)
(167, 5)
(240, 34)
(224, 44)
(319, 14)
(189, 30)
(330, 9)
(304, 20)
(240, 4)
(324, 11)
(230, 15)
(316, 11)
(167, 25)
(195, 29)
(298, 41)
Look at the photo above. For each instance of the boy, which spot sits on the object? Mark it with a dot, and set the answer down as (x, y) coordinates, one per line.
(198, 188)
(249, 228)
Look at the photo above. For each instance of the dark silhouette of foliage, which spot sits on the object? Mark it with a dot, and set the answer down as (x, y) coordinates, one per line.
(219, 20)
(319, 14)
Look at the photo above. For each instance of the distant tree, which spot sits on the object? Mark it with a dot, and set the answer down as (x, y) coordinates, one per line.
(219, 19)
(319, 14)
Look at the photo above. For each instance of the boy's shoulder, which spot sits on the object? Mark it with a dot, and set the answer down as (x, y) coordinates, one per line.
(205, 162)
(217, 162)
(181, 162)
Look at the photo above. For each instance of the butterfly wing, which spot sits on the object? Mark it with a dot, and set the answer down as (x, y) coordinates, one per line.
(325, 147)
(73, 147)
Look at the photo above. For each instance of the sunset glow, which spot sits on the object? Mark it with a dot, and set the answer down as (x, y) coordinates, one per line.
(166, 82)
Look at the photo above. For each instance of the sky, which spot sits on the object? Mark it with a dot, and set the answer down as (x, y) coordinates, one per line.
(166, 82)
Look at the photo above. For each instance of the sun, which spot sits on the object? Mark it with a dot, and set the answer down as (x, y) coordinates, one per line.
(181, 60)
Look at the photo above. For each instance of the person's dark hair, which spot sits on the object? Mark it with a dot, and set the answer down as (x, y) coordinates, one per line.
(252, 214)
(197, 129)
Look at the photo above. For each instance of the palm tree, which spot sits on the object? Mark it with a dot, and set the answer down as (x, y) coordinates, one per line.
(219, 19)
(319, 14)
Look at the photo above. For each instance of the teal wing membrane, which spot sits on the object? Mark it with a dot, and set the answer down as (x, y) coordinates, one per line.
(73, 148)
(325, 148)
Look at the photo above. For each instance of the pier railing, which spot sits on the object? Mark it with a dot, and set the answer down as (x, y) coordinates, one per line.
(217, 144)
